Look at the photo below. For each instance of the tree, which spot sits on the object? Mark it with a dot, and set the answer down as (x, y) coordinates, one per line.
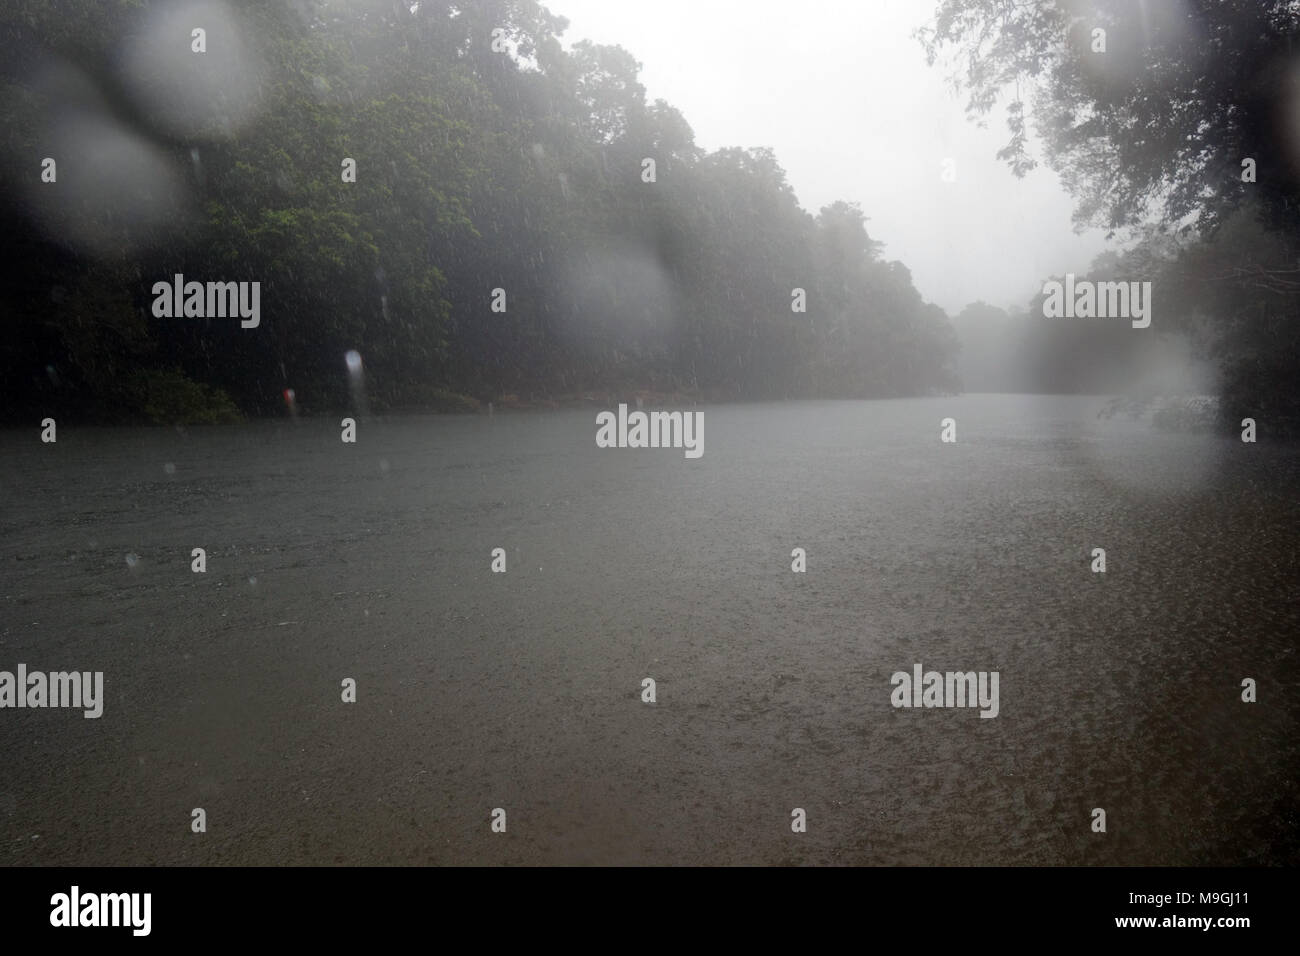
(480, 165)
(1168, 121)
(1163, 118)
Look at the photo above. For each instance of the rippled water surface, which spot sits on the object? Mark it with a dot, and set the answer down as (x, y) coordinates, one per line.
(523, 690)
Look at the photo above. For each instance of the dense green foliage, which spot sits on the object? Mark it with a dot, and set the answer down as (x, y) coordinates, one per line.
(476, 170)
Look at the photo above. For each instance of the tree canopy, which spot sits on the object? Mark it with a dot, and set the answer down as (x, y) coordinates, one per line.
(487, 157)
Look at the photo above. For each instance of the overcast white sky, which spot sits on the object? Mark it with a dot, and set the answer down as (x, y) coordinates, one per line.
(841, 91)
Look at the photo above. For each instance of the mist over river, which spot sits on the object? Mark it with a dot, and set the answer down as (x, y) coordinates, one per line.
(523, 690)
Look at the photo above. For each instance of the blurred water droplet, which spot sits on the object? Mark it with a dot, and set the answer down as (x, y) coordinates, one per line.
(169, 468)
(356, 381)
(132, 560)
(197, 163)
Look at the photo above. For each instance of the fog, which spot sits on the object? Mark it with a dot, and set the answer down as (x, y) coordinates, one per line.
(356, 498)
(843, 93)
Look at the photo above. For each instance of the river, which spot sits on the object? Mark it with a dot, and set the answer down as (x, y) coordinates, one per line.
(523, 690)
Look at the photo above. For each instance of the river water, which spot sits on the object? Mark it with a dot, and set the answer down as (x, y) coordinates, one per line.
(523, 690)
